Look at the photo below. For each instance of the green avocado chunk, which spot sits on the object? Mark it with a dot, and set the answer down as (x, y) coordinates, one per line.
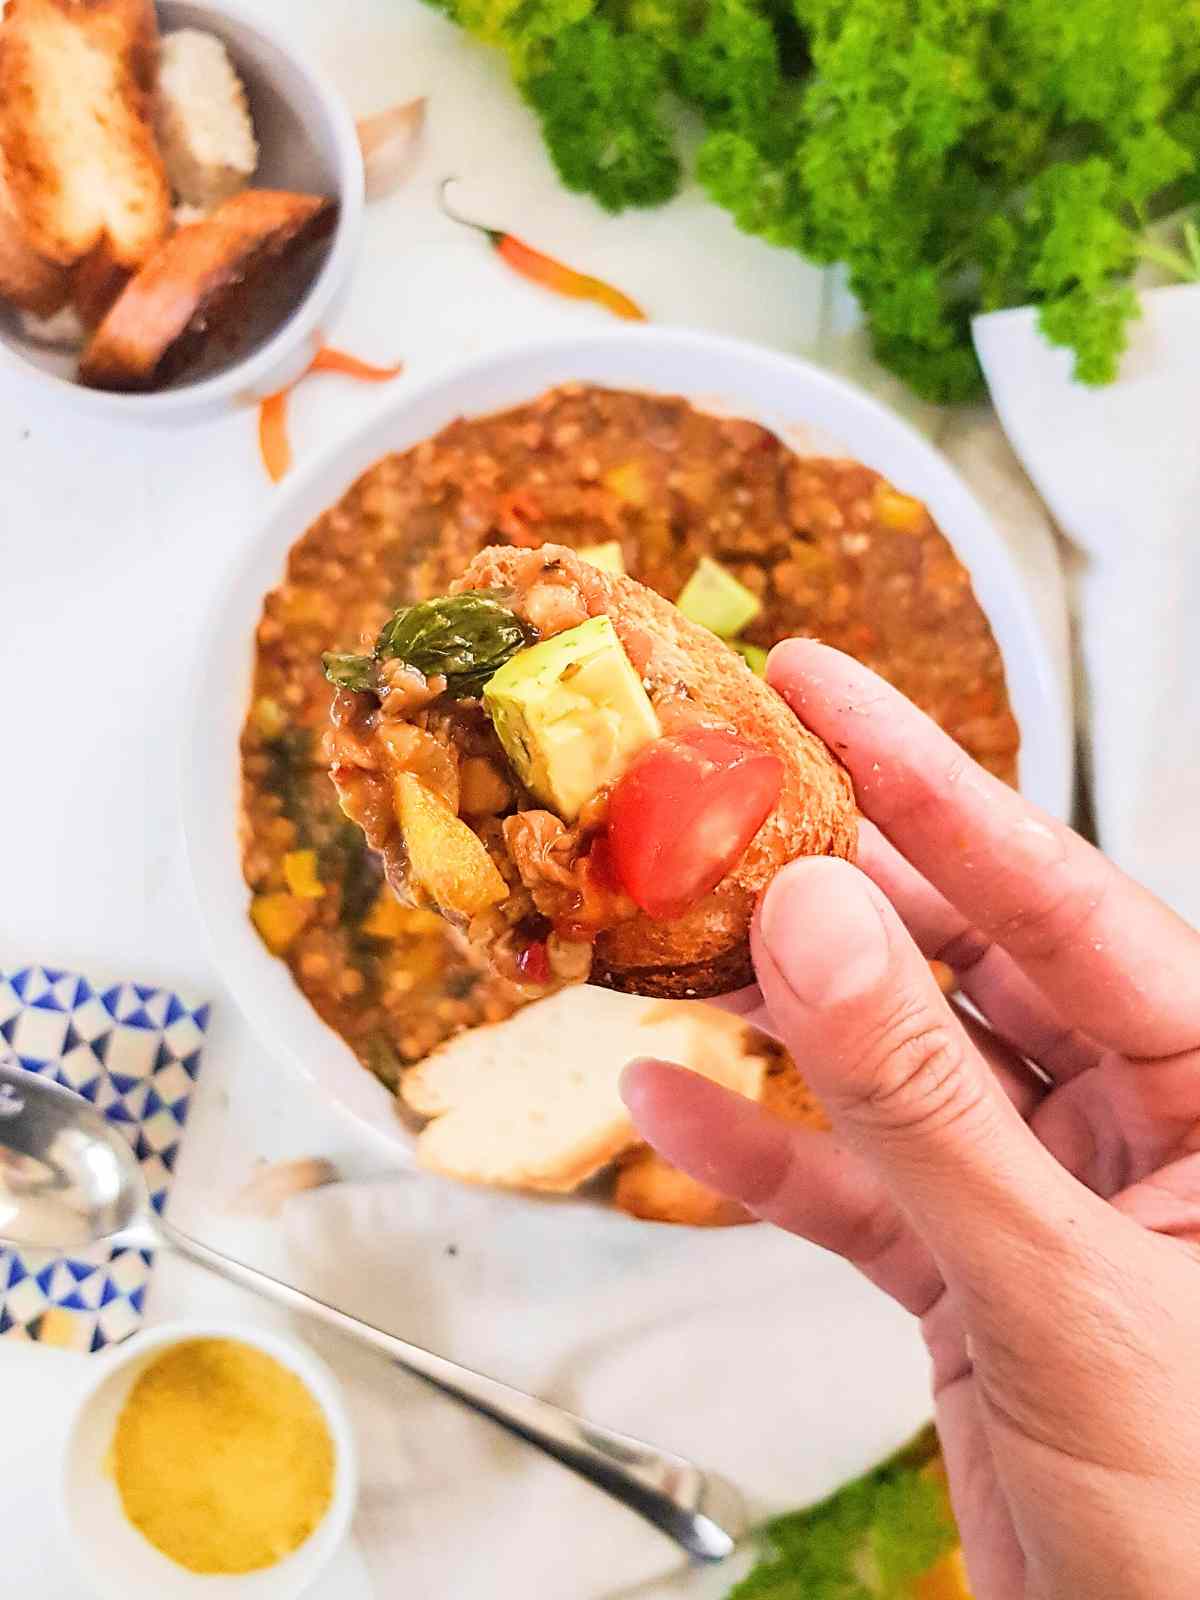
(715, 599)
(609, 556)
(753, 655)
(571, 713)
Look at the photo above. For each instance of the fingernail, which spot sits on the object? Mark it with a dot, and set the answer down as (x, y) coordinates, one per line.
(823, 930)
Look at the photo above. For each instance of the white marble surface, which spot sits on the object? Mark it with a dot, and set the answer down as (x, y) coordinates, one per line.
(112, 541)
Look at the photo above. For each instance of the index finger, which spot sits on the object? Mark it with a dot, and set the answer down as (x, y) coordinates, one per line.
(1112, 958)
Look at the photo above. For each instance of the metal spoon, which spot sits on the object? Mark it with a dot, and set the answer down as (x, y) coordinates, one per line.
(67, 1179)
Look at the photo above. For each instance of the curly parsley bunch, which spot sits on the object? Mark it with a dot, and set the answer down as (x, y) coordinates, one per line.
(956, 155)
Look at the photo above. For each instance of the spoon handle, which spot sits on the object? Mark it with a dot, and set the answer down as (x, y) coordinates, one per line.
(697, 1510)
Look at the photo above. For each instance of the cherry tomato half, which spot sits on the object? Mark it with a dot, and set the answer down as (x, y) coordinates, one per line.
(684, 813)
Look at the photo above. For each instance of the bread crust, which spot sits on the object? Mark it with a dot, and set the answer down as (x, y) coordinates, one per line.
(189, 280)
(706, 952)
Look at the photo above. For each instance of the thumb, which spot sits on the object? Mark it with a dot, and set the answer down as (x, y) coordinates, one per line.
(855, 1002)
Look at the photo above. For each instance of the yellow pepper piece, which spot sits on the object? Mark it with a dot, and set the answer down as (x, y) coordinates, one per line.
(388, 919)
(269, 717)
(899, 512)
(278, 918)
(445, 857)
(302, 605)
(300, 872)
(628, 483)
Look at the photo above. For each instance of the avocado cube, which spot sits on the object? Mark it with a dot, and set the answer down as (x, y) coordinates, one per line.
(571, 713)
(753, 655)
(715, 599)
(609, 556)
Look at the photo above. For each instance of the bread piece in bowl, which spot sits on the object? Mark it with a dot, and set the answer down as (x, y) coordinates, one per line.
(79, 152)
(27, 280)
(195, 286)
(590, 786)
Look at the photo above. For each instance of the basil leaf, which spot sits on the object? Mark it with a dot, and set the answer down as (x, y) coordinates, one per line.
(465, 637)
(351, 671)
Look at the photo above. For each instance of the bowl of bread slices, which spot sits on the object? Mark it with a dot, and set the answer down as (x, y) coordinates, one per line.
(180, 203)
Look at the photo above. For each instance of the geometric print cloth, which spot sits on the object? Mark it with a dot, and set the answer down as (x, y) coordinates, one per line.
(134, 1052)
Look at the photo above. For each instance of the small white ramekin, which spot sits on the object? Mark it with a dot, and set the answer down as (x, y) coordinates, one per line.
(117, 1562)
(308, 142)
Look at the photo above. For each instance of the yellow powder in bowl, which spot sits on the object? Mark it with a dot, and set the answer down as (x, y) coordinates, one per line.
(222, 1457)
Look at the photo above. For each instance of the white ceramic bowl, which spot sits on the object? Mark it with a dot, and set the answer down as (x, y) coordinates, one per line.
(809, 408)
(309, 143)
(118, 1562)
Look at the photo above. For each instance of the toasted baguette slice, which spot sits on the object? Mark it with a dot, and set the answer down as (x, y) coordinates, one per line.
(27, 279)
(97, 281)
(190, 283)
(705, 952)
(652, 1189)
(203, 120)
(533, 1103)
(80, 154)
(509, 1106)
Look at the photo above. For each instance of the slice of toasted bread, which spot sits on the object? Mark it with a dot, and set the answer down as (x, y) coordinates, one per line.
(203, 120)
(534, 1103)
(97, 281)
(705, 952)
(515, 1105)
(80, 155)
(652, 1189)
(27, 279)
(192, 283)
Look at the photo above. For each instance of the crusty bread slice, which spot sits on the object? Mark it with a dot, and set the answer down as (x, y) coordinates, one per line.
(653, 1190)
(706, 952)
(191, 283)
(80, 154)
(203, 120)
(98, 280)
(533, 1103)
(27, 279)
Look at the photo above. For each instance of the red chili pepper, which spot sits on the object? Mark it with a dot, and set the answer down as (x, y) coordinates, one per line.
(544, 269)
(273, 442)
(533, 963)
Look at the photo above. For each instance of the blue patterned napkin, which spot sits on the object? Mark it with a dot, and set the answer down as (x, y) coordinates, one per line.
(134, 1052)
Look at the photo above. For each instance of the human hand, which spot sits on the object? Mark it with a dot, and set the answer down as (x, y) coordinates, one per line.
(1042, 1224)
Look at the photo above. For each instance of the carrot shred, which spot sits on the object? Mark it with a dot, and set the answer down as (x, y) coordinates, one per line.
(327, 359)
(273, 441)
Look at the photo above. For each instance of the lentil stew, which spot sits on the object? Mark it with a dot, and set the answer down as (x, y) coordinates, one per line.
(830, 549)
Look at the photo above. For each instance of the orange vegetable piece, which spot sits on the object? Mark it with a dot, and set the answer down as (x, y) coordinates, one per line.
(279, 918)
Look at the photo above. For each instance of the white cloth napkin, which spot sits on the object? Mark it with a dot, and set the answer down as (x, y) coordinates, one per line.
(1120, 469)
(754, 1354)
